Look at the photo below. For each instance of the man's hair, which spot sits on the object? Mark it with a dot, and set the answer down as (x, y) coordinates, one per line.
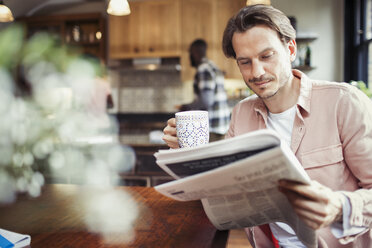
(200, 46)
(251, 16)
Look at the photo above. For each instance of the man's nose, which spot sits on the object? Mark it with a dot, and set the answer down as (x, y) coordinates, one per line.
(257, 69)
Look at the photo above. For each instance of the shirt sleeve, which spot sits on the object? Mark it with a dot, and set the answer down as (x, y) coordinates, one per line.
(355, 127)
(205, 83)
(344, 228)
(206, 78)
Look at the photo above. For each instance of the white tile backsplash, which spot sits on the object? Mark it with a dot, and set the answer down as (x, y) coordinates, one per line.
(149, 91)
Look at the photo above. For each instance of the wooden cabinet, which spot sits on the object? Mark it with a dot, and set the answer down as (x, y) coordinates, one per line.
(207, 19)
(83, 31)
(166, 28)
(196, 22)
(151, 30)
(225, 10)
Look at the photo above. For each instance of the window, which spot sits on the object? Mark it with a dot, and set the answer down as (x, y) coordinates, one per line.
(369, 38)
(358, 41)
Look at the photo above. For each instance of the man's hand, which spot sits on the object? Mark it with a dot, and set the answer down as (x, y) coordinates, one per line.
(170, 134)
(317, 205)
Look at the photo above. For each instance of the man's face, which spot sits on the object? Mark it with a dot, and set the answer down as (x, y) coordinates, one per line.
(263, 60)
(193, 57)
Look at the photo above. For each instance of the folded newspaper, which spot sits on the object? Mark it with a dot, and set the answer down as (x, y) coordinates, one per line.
(10, 239)
(237, 181)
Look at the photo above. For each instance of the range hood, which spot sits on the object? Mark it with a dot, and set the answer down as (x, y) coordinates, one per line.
(147, 64)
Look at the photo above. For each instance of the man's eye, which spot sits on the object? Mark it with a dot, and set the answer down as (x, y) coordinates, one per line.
(267, 56)
(244, 62)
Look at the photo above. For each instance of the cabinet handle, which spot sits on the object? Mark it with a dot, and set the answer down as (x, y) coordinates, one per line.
(151, 49)
(136, 50)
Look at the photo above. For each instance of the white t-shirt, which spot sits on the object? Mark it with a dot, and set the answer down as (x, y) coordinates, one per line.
(282, 123)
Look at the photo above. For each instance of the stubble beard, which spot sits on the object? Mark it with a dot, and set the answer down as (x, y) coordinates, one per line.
(272, 79)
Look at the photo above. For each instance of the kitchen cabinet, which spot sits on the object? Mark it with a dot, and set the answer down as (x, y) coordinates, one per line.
(225, 10)
(82, 31)
(151, 30)
(166, 28)
(207, 19)
(196, 22)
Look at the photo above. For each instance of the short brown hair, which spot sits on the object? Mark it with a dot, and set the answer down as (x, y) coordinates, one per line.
(254, 15)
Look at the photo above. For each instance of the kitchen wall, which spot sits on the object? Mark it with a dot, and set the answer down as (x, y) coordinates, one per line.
(148, 92)
(322, 18)
(326, 19)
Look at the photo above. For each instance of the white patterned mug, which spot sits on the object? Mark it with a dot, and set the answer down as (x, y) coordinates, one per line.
(192, 128)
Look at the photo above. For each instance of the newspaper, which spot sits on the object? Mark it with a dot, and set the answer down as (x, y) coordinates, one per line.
(10, 239)
(236, 180)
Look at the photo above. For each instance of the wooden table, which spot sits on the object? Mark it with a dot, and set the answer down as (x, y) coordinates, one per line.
(55, 219)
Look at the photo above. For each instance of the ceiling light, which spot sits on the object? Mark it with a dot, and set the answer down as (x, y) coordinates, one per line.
(253, 2)
(118, 7)
(5, 13)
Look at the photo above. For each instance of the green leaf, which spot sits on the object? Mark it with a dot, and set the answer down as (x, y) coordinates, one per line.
(11, 42)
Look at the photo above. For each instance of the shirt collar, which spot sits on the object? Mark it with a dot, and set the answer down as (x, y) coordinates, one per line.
(305, 90)
(204, 60)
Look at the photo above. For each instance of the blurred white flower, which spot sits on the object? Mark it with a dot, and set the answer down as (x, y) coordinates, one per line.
(111, 213)
(45, 106)
(7, 188)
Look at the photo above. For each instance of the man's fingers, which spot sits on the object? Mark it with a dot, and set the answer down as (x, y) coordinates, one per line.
(315, 204)
(312, 213)
(171, 127)
(171, 141)
(313, 220)
(303, 203)
(314, 191)
(170, 134)
(168, 130)
(172, 122)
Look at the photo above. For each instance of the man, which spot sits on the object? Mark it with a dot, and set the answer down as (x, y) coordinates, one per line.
(209, 91)
(327, 125)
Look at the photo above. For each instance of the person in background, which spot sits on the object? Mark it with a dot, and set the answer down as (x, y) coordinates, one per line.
(209, 91)
(327, 125)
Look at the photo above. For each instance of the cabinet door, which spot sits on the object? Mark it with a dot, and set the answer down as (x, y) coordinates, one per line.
(151, 30)
(224, 11)
(207, 19)
(160, 26)
(124, 36)
(88, 37)
(197, 22)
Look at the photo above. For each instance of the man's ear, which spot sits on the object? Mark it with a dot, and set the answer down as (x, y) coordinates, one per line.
(292, 47)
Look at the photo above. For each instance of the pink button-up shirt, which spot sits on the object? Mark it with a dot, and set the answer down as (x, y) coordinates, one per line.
(332, 139)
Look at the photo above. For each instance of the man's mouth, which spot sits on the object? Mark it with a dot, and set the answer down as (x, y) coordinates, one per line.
(262, 83)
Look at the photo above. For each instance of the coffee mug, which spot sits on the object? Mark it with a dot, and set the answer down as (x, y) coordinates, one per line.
(192, 128)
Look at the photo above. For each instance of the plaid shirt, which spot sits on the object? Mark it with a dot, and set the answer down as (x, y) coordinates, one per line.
(209, 78)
